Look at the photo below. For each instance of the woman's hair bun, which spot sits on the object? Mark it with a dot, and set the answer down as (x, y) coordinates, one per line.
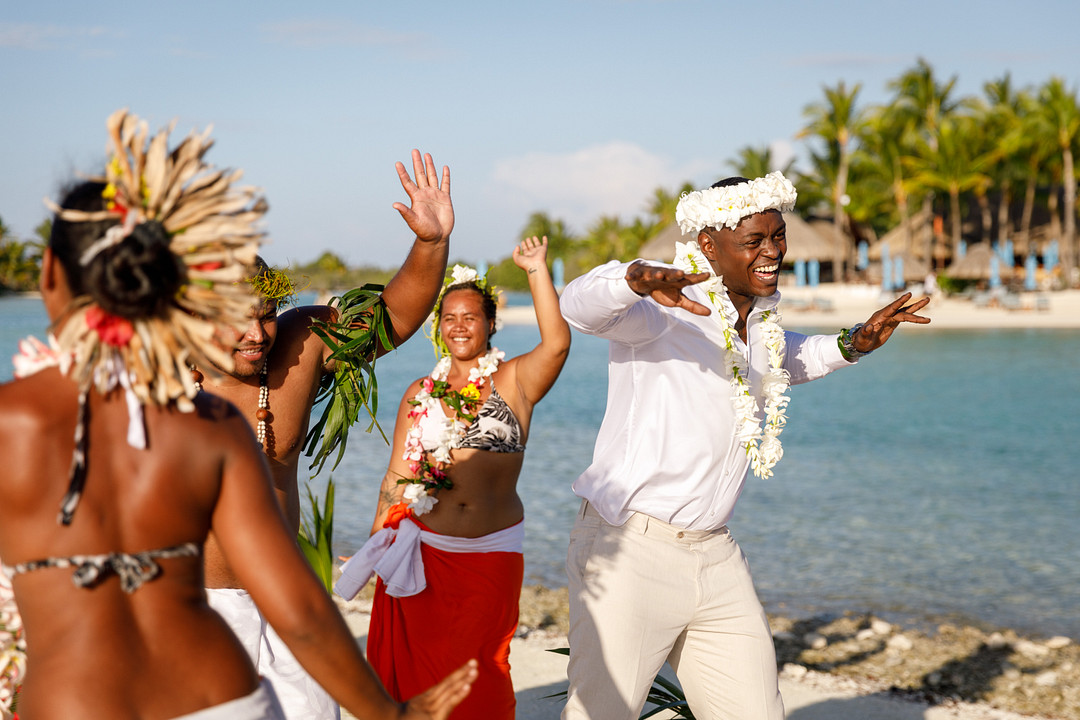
(137, 277)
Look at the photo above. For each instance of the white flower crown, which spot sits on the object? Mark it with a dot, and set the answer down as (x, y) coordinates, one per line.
(726, 206)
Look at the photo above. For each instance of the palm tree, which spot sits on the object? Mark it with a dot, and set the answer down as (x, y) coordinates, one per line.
(956, 166)
(836, 122)
(1036, 143)
(662, 205)
(925, 103)
(755, 162)
(887, 139)
(1003, 118)
(561, 242)
(20, 262)
(603, 240)
(1062, 115)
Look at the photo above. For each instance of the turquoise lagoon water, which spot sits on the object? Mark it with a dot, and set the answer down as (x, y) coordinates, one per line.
(935, 480)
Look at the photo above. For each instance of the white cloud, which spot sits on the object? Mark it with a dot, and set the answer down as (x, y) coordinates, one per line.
(616, 178)
(34, 36)
(782, 151)
(845, 61)
(322, 33)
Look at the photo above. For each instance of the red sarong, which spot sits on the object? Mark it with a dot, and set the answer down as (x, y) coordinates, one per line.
(468, 610)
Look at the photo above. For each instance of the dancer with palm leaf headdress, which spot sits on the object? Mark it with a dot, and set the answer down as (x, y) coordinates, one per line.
(144, 274)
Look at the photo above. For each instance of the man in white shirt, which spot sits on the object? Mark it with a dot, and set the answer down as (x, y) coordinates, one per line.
(698, 378)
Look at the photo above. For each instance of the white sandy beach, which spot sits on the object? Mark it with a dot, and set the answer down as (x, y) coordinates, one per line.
(538, 673)
(835, 306)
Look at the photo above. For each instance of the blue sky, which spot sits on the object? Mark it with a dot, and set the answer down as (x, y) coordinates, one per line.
(575, 108)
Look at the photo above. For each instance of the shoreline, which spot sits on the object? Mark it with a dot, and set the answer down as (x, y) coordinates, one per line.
(832, 305)
(836, 306)
(852, 667)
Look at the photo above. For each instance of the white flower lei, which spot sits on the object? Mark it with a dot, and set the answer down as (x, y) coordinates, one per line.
(762, 444)
(726, 206)
(34, 356)
(417, 495)
(12, 646)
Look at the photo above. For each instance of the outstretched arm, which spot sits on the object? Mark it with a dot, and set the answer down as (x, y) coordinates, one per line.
(539, 368)
(881, 324)
(411, 293)
(664, 285)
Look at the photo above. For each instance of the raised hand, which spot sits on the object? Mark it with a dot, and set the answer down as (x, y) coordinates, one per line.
(881, 324)
(664, 285)
(531, 254)
(431, 215)
(437, 702)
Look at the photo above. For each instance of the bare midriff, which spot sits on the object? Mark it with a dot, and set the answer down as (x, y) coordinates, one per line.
(484, 498)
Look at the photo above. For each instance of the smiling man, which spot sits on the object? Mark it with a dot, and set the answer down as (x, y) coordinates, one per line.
(699, 370)
(280, 365)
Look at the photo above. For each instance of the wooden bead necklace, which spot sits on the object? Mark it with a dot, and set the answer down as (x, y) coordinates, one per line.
(262, 415)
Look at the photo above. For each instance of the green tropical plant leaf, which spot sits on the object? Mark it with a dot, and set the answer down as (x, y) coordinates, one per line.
(664, 693)
(316, 537)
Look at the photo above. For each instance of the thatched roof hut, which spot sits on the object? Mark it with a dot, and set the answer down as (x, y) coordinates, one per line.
(921, 231)
(975, 265)
(662, 247)
(803, 242)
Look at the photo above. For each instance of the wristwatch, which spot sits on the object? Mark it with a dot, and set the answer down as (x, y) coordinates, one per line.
(847, 344)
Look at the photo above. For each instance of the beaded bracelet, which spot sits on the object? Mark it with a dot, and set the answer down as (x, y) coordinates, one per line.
(846, 341)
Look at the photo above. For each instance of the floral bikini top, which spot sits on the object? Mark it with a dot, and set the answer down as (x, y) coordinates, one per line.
(496, 428)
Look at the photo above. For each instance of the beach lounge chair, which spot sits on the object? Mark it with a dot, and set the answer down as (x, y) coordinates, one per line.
(1011, 301)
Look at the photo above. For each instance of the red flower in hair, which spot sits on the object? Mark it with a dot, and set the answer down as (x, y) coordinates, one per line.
(112, 330)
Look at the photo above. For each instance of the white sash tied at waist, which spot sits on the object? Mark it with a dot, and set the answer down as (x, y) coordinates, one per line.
(394, 555)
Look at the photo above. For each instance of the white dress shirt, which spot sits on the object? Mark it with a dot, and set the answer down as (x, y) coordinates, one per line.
(667, 445)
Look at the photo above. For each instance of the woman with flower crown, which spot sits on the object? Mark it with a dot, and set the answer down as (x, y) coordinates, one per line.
(699, 374)
(448, 531)
(144, 273)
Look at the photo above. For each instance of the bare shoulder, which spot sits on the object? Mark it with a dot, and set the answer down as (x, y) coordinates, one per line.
(412, 388)
(29, 405)
(218, 420)
(299, 319)
(507, 372)
(297, 345)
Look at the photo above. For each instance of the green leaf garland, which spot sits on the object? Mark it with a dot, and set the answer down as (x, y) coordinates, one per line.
(362, 330)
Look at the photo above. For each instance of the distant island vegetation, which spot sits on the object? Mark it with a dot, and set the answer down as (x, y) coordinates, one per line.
(947, 169)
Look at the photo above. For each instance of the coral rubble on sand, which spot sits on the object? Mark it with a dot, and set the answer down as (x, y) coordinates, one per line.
(954, 663)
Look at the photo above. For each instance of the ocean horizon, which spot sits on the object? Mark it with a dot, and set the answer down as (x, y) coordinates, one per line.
(933, 481)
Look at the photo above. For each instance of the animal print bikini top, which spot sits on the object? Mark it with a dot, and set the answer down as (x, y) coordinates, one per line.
(133, 569)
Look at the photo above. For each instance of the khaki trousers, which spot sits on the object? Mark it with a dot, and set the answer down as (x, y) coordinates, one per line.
(648, 592)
